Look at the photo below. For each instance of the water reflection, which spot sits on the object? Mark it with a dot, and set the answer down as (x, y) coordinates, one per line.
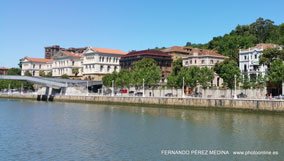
(65, 131)
(262, 126)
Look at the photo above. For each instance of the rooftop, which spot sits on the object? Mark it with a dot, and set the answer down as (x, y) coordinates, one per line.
(148, 52)
(261, 46)
(37, 60)
(108, 51)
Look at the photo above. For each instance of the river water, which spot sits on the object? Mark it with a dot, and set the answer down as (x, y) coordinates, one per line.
(31, 130)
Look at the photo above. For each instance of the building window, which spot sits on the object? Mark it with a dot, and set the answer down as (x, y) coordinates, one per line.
(218, 81)
(190, 62)
(186, 62)
(211, 62)
(101, 68)
(115, 68)
(108, 68)
(245, 68)
(245, 57)
(202, 61)
(255, 56)
(194, 61)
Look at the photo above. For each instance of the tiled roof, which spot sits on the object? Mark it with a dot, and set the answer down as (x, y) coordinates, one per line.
(175, 49)
(148, 52)
(205, 52)
(192, 51)
(108, 51)
(38, 60)
(266, 46)
(71, 54)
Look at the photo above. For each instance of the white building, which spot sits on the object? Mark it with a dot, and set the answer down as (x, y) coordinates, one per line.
(100, 61)
(204, 58)
(35, 65)
(67, 63)
(249, 60)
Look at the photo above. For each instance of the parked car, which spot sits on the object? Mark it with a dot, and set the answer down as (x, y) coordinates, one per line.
(139, 94)
(131, 93)
(122, 91)
(169, 95)
(242, 95)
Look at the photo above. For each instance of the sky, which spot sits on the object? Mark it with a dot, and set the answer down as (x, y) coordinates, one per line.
(26, 27)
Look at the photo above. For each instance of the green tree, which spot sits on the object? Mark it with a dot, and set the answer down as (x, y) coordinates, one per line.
(49, 74)
(14, 71)
(124, 78)
(172, 80)
(65, 76)
(246, 84)
(276, 71)
(205, 76)
(107, 79)
(41, 73)
(27, 73)
(260, 81)
(227, 71)
(262, 29)
(75, 71)
(269, 55)
(190, 76)
(148, 70)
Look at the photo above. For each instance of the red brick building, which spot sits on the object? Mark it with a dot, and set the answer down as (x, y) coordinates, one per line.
(164, 60)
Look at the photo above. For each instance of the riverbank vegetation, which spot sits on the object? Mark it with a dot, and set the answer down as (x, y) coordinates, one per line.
(14, 84)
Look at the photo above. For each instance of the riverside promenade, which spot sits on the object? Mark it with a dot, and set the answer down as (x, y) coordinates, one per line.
(171, 102)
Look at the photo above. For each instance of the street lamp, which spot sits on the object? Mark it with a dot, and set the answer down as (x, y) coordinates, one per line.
(112, 93)
(87, 88)
(143, 87)
(183, 87)
(235, 93)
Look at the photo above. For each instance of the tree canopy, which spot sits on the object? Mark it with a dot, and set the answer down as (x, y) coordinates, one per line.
(245, 36)
(227, 71)
(146, 69)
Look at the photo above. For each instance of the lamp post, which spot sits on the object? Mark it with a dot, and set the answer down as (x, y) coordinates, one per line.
(182, 87)
(87, 88)
(143, 88)
(112, 93)
(9, 90)
(235, 92)
(22, 87)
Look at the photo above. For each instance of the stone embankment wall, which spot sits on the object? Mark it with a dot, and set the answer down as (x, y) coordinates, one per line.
(259, 105)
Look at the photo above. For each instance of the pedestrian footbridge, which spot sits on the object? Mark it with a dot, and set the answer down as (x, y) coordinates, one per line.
(52, 83)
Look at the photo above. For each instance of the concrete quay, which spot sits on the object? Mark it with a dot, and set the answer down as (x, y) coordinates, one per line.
(210, 103)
